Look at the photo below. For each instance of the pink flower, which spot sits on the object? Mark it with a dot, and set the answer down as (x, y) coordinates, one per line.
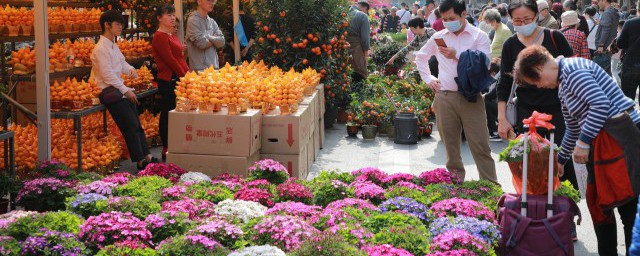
(197, 209)
(294, 192)
(385, 250)
(456, 239)
(439, 175)
(113, 227)
(308, 213)
(368, 190)
(255, 195)
(174, 192)
(168, 171)
(120, 178)
(455, 207)
(410, 185)
(38, 186)
(285, 232)
(399, 177)
(268, 165)
(371, 174)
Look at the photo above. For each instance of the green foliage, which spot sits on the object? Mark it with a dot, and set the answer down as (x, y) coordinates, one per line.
(382, 53)
(8, 185)
(328, 191)
(353, 216)
(384, 221)
(332, 175)
(180, 226)
(438, 192)
(311, 26)
(9, 246)
(88, 177)
(327, 244)
(180, 246)
(86, 209)
(140, 207)
(274, 177)
(400, 37)
(24, 227)
(209, 192)
(147, 186)
(113, 250)
(399, 191)
(414, 239)
(566, 189)
(483, 191)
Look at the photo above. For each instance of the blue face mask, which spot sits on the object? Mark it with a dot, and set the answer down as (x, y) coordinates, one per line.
(526, 30)
(453, 26)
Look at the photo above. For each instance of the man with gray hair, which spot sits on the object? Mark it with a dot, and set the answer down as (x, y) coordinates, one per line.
(545, 19)
(502, 32)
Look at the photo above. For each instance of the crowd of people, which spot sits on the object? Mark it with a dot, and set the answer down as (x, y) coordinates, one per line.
(580, 65)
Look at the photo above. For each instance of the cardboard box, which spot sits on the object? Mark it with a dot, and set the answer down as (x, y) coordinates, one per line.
(313, 103)
(22, 119)
(311, 154)
(26, 92)
(322, 133)
(217, 134)
(321, 100)
(286, 134)
(296, 164)
(214, 165)
(316, 143)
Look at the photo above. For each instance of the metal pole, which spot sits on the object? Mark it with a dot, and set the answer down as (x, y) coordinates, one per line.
(236, 42)
(180, 15)
(42, 79)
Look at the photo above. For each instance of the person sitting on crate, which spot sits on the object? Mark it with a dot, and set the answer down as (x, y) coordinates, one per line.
(108, 66)
(603, 132)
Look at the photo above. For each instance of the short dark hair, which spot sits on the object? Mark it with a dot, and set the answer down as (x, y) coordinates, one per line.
(591, 11)
(403, 4)
(165, 9)
(570, 4)
(529, 4)
(364, 4)
(458, 6)
(502, 10)
(111, 16)
(416, 23)
(437, 13)
(528, 62)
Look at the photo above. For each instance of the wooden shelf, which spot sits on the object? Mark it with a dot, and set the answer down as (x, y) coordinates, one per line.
(17, 39)
(51, 4)
(71, 72)
(96, 108)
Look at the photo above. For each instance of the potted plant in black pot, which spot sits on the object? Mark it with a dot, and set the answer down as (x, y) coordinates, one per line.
(7, 187)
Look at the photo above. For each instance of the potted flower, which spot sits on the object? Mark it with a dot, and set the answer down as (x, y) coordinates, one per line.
(7, 188)
(369, 115)
(352, 128)
(44, 194)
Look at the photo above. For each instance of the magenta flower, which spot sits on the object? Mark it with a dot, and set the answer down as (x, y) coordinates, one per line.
(269, 165)
(385, 250)
(119, 178)
(221, 230)
(455, 207)
(352, 202)
(197, 209)
(459, 239)
(410, 185)
(36, 187)
(285, 232)
(368, 190)
(174, 192)
(398, 177)
(202, 240)
(261, 196)
(233, 182)
(439, 175)
(291, 191)
(459, 252)
(261, 184)
(308, 213)
(371, 174)
(168, 171)
(114, 227)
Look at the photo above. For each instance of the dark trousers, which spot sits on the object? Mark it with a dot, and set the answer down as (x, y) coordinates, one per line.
(167, 103)
(491, 107)
(125, 115)
(558, 122)
(630, 85)
(607, 234)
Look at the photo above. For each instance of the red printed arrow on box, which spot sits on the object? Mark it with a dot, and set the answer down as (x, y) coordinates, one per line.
(290, 132)
(290, 168)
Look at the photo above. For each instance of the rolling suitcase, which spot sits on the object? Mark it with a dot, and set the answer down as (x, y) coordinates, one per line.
(536, 224)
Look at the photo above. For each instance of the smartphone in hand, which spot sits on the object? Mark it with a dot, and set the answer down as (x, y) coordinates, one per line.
(440, 42)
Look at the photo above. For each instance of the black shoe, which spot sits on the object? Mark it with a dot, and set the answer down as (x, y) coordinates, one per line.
(143, 165)
(495, 138)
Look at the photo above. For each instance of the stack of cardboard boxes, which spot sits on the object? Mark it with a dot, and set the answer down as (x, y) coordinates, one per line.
(215, 143)
(26, 96)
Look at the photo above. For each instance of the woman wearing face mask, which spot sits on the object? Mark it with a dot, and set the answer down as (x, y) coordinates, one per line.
(524, 15)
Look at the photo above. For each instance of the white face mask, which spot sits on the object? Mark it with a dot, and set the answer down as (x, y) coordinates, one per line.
(526, 30)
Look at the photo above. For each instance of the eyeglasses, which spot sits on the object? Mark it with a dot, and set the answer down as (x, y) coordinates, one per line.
(520, 22)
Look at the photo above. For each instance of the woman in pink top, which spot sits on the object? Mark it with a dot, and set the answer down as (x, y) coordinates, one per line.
(437, 25)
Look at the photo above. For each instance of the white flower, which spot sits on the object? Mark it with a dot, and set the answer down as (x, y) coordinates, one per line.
(244, 210)
(194, 177)
(262, 250)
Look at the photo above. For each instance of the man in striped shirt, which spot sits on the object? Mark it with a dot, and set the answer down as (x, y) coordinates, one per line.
(590, 98)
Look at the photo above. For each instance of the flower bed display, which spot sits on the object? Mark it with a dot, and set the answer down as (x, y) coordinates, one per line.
(364, 212)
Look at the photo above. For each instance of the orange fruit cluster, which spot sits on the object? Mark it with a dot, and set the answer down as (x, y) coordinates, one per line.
(142, 83)
(11, 16)
(58, 56)
(253, 81)
(138, 48)
(71, 89)
(23, 61)
(150, 124)
(82, 49)
(62, 16)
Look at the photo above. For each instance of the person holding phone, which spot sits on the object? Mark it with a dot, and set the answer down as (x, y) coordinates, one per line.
(454, 112)
(421, 37)
(108, 66)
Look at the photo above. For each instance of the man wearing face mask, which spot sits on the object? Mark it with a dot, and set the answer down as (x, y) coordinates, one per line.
(545, 19)
(453, 110)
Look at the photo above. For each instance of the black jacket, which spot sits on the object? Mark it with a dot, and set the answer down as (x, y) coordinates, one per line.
(473, 74)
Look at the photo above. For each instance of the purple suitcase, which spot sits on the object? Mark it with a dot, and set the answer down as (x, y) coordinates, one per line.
(536, 224)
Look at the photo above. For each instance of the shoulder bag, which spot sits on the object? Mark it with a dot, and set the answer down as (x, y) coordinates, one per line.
(110, 95)
(512, 105)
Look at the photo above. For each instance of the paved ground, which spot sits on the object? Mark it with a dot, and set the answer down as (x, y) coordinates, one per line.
(347, 154)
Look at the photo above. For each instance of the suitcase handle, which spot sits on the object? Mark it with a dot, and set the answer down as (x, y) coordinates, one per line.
(525, 162)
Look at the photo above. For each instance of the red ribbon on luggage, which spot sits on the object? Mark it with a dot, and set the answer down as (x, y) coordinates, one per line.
(536, 120)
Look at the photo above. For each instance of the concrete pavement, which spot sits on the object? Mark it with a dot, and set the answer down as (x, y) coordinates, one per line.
(347, 154)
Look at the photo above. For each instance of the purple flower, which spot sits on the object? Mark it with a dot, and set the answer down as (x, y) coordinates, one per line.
(406, 205)
(462, 207)
(439, 175)
(52, 243)
(487, 231)
(385, 250)
(36, 187)
(98, 187)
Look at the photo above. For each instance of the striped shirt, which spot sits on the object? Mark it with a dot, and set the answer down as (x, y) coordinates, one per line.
(589, 96)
